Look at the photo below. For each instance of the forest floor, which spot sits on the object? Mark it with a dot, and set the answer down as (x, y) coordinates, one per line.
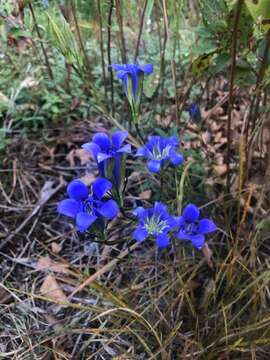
(63, 296)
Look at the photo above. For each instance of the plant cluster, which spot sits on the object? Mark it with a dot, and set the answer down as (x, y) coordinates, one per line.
(91, 209)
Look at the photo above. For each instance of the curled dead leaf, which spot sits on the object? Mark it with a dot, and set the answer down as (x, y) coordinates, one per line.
(46, 263)
(51, 289)
(220, 170)
(145, 195)
(56, 248)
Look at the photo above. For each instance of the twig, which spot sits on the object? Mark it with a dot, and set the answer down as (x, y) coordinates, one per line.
(120, 24)
(102, 47)
(173, 67)
(231, 92)
(109, 54)
(140, 32)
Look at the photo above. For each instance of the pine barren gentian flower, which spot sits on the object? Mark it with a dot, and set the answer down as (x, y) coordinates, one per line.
(110, 156)
(160, 151)
(154, 222)
(132, 76)
(190, 227)
(88, 208)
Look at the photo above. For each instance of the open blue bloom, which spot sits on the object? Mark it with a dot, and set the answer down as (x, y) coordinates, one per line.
(160, 151)
(130, 75)
(190, 227)
(155, 222)
(86, 208)
(194, 112)
(109, 154)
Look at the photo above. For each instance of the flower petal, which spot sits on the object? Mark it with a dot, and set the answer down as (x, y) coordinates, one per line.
(176, 159)
(191, 213)
(102, 156)
(125, 149)
(100, 187)
(69, 207)
(162, 240)
(206, 226)
(140, 234)
(148, 69)
(197, 241)
(160, 208)
(118, 138)
(154, 165)
(180, 221)
(142, 151)
(92, 148)
(77, 190)
(139, 211)
(172, 222)
(173, 140)
(109, 209)
(118, 67)
(84, 221)
(103, 141)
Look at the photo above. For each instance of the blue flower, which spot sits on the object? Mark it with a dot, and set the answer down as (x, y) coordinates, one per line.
(109, 154)
(130, 74)
(160, 151)
(192, 228)
(194, 112)
(87, 208)
(155, 222)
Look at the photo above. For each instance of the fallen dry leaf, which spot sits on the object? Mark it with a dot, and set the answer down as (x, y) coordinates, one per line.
(56, 248)
(145, 195)
(80, 154)
(51, 289)
(88, 178)
(220, 169)
(46, 263)
(71, 158)
(207, 252)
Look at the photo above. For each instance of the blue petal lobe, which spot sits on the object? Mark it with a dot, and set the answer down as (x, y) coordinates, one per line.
(103, 141)
(125, 149)
(197, 241)
(69, 207)
(118, 138)
(142, 151)
(160, 208)
(109, 209)
(102, 156)
(92, 148)
(162, 240)
(139, 211)
(84, 221)
(176, 159)
(154, 165)
(77, 190)
(180, 221)
(191, 213)
(122, 74)
(206, 226)
(140, 234)
(148, 69)
(118, 67)
(100, 187)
